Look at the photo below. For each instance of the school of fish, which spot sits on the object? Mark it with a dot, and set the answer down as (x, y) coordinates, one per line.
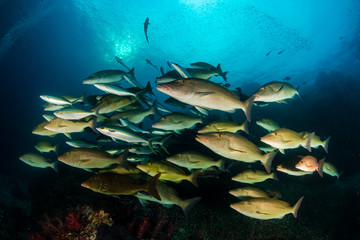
(128, 159)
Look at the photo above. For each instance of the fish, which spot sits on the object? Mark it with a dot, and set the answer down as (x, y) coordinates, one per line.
(203, 65)
(275, 92)
(121, 62)
(36, 160)
(206, 74)
(283, 138)
(268, 53)
(209, 67)
(133, 126)
(44, 146)
(235, 147)
(316, 141)
(119, 169)
(248, 192)
(110, 103)
(76, 114)
(146, 25)
(205, 94)
(287, 78)
(182, 71)
(310, 163)
(225, 126)
(266, 148)
(280, 52)
(253, 176)
(137, 115)
(48, 117)
(81, 144)
(168, 77)
(169, 196)
(73, 99)
(55, 100)
(117, 184)
(169, 172)
(176, 103)
(292, 172)
(268, 124)
(266, 208)
(149, 62)
(60, 125)
(87, 158)
(53, 107)
(194, 160)
(176, 122)
(119, 91)
(42, 131)
(125, 134)
(107, 76)
(331, 170)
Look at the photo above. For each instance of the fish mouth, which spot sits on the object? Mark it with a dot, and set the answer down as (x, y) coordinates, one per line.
(201, 139)
(264, 139)
(85, 185)
(163, 88)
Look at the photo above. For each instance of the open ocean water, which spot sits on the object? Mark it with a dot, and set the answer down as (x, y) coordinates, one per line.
(50, 47)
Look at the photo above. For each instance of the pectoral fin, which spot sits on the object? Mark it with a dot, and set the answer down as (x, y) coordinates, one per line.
(204, 93)
(262, 213)
(236, 150)
(84, 160)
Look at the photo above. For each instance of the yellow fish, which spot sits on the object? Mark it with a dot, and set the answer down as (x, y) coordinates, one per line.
(266, 208)
(316, 141)
(236, 147)
(116, 184)
(225, 126)
(253, 176)
(169, 172)
(248, 192)
(60, 125)
(283, 138)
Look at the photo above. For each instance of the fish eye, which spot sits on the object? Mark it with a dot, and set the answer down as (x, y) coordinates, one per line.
(249, 203)
(111, 130)
(275, 133)
(219, 135)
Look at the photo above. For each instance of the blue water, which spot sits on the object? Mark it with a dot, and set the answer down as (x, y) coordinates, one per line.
(49, 47)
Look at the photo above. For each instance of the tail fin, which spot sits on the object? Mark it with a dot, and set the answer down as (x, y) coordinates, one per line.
(92, 125)
(326, 144)
(218, 70)
(321, 166)
(193, 177)
(148, 88)
(274, 176)
(151, 186)
(297, 206)
(122, 159)
(56, 148)
(267, 160)
(188, 204)
(224, 75)
(131, 72)
(247, 105)
(221, 164)
(245, 127)
(308, 141)
(55, 166)
(96, 112)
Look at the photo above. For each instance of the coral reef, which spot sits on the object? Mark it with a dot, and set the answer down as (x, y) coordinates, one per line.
(78, 224)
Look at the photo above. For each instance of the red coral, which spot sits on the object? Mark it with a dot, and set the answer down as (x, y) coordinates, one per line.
(74, 221)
